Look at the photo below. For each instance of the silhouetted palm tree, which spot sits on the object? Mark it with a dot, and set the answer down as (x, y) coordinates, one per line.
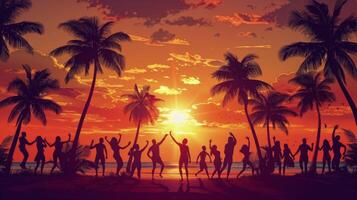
(142, 109)
(11, 32)
(4, 152)
(237, 82)
(329, 44)
(29, 99)
(94, 47)
(271, 109)
(313, 92)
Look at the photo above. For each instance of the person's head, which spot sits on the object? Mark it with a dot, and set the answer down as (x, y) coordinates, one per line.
(230, 139)
(304, 141)
(58, 139)
(153, 141)
(214, 147)
(337, 138)
(101, 140)
(23, 134)
(136, 147)
(244, 149)
(203, 148)
(286, 146)
(184, 141)
(39, 139)
(325, 143)
(113, 140)
(277, 143)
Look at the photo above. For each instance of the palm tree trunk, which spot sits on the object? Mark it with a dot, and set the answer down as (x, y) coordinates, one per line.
(128, 165)
(317, 144)
(13, 146)
(256, 141)
(268, 133)
(348, 97)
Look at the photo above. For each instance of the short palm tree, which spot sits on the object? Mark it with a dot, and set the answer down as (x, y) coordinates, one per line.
(313, 92)
(236, 81)
(142, 109)
(94, 46)
(329, 46)
(11, 32)
(29, 99)
(271, 109)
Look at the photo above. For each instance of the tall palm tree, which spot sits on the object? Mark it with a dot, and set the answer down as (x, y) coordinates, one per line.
(329, 44)
(142, 109)
(11, 32)
(270, 109)
(313, 92)
(236, 81)
(29, 99)
(94, 46)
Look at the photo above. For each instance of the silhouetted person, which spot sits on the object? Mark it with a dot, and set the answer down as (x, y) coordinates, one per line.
(57, 153)
(277, 154)
(114, 144)
(336, 148)
(40, 156)
(22, 146)
(217, 159)
(185, 156)
(202, 157)
(245, 150)
(155, 156)
(326, 158)
(228, 154)
(100, 150)
(304, 155)
(288, 158)
(136, 152)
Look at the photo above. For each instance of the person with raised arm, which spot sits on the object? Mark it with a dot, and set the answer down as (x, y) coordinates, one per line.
(155, 156)
(288, 158)
(304, 149)
(57, 153)
(228, 154)
(22, 146)
(136, 152)
(336, 148)
(115, 146)
(202, 157)
(40, 156)
(217, 162)
(99, 157)
(245, 150)
(185, 156)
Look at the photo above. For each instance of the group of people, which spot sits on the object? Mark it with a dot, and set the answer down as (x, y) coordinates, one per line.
(274, 156)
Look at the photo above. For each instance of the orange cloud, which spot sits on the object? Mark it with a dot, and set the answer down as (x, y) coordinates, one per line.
(191, 80)
(168, 91)
(241, 18)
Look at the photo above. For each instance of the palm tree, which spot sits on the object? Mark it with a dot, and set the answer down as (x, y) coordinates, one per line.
(29, 99)
(236, 81)
(329, 44)
(313, 92)
(271, 109)
(94, 45)
(142, 109)
(11, 32)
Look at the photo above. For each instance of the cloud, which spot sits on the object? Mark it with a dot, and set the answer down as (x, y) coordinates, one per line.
(156, 67)
(162, 35)
(158, 38)
(189, 21)
(241, 18)
(150, 80)
(265, 46)
(135, 71)
(269, 29)
(193, 59)
(248, 34)
(191, 80)
(168, 91)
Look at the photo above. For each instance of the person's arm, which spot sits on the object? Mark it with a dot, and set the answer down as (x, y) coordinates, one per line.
(163, 139)
(91, 146)
(312, 147)
(106, 152)
(143, 149)
(50, 145)
(334, 132)
(174, 139)
(126, 146)
(234, 138)
(148, 153)
(106, 139)
(30, 143)
(198, 157)
(297, 151)
(209, 157)
(119, 139)
(189, 154)
(344, 149)
(210, 144)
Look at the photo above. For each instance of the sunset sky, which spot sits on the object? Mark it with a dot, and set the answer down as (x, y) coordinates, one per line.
(176, 46)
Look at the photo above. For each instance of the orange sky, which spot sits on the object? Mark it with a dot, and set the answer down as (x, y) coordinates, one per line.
(176, 46)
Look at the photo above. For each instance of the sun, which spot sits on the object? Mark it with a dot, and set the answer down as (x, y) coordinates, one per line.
(178, 117)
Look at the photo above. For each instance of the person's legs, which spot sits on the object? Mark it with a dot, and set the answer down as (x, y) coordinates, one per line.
(243, 169)
(180, 169)
(224, 165)
(186, 169)
(279, 164)
(305, 166)
(301, 166)
(103, 166)
(329, 165)
(24, 160)
(37, 165)
(162, 167)
(55, 160)
(323, 165)
(153, 169)
(139, 172)
(206, 169)
(43, 161)
(229, 166)
(284, 166)
(96, 162)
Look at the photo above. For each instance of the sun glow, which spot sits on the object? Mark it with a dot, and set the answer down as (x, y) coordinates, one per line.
(179, 121)
(178, 117)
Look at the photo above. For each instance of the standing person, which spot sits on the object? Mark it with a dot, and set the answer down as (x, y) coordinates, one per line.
(57, 153)
(288, 158)
(100, 150)
(228, 154)
(185, 156)
(336, 148)
(304, 149)
(114, 144)
(22, 146)
(217, 159)
(277, 154)
(245, 150)
(136, 152)
(155, 156)
(202, 157)
(40, 156)
(326, 158)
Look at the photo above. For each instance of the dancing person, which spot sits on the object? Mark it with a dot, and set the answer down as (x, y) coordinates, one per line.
(22, 146)
(336, 148)
(217, 162)
(277, 155)
(99, 157)
(288, 158)
(57, 153)
(202, 157)
(228, 154)
(136, 152)
(40, 156)
(114, 144)
(155, 156)
(326, 158)
(304, 149)
(185, 156)
(245, 150)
